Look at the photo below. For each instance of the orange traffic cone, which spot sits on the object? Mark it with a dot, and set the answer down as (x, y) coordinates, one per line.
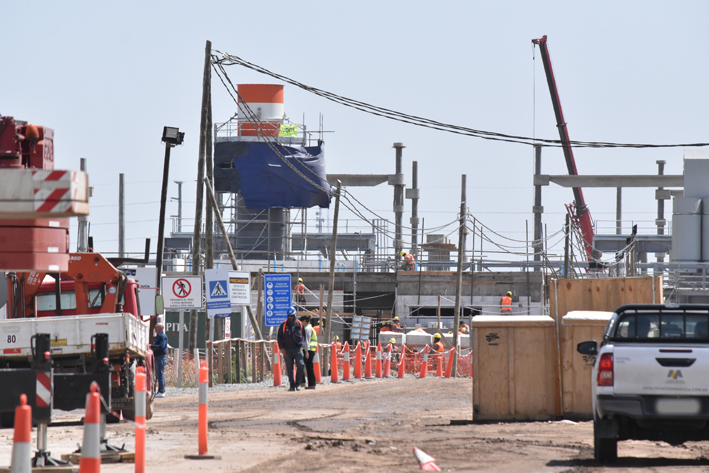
(203, 412)
(368, 364)
(91, 448)
(424, 365)
(21, 446)
(358, 361)
(346, 362)
(316, 366)
(402, 364)
(449, 366)
(140, 420)
(378, 366)
(426, 462)
(387, 362)
(277, 379)
(439, 366)
(334, 375)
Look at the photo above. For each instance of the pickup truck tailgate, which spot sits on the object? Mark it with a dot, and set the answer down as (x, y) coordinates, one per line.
(661, 370)
(72, 334)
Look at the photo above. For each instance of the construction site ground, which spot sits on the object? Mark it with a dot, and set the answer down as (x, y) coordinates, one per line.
(365, 425)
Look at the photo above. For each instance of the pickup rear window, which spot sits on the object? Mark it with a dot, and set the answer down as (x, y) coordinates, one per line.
(676, 327)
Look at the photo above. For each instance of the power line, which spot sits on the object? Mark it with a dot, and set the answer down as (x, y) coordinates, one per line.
(229, 59)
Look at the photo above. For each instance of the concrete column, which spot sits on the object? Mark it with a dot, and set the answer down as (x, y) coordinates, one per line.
(398, 182)
(413, 194)
(538, 210)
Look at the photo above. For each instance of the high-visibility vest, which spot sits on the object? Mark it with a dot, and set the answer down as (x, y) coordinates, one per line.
(313, 339)
(300, 288)
(409, 260)
(464, 328)
(506, 304)
(438, 348)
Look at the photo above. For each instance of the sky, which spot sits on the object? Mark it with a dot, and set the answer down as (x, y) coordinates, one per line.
(108, 76)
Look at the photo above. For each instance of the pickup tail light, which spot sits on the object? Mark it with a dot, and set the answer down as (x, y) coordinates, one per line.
(605, 370)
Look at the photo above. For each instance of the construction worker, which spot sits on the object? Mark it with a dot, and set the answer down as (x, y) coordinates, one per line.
(310, 346)
(290, 341)
(336, 343)
(394, 350)
(299, 290)
(409, 262)
(386, 326)
(396, 326)
(317, 327)
(506, 303)
(437, 346)
(464, 328)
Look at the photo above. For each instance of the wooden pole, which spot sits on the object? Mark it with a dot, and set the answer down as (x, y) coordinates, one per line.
(333, 253)
(438, 313)
(459, 276)
(197, 237)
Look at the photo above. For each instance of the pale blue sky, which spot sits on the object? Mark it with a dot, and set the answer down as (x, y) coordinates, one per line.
(108, 77)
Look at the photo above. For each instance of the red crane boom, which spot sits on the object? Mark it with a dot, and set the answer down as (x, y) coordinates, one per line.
(583, 216)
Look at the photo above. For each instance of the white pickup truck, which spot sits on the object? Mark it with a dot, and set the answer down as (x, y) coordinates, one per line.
(650, 377)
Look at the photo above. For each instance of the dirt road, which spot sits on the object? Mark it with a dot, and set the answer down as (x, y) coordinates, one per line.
(365, 426)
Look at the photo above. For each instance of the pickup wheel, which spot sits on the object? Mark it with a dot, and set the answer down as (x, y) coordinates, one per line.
(605, 450)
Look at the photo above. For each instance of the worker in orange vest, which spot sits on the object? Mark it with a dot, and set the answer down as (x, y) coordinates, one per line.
(394, 350)
(386, 326)
(395, 325)
(336, 343)
(437, 346)
(409, 262)
(464, 328)
(506, 303)
(299, 290)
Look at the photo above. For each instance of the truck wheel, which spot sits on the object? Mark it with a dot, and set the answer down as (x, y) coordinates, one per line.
(605, 450)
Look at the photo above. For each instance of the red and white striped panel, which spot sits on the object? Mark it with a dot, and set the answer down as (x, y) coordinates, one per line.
(266, 102)
(35, 193)
(44, 390)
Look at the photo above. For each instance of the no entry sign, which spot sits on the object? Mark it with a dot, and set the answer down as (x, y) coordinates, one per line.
(182, 293)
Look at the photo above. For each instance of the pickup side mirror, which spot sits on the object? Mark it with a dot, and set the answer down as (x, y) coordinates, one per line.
(589, 347)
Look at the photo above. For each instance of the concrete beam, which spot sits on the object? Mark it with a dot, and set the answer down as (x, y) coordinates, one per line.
(651, 180)
(358, 180)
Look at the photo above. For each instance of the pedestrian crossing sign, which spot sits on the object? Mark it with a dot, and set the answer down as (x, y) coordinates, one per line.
(217, 290)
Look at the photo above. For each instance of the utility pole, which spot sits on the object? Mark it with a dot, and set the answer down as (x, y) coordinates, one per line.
(398, 182)
(333, 253)
(211, 208)
(566, 248)
(459, 276)
(121, 215)
(82, 241)
(197, 237)
(179, 205)
(537, 209)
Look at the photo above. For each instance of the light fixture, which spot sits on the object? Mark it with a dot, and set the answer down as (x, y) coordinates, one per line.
(172, 135)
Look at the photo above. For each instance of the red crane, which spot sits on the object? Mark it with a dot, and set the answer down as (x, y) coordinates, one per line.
(583, 216)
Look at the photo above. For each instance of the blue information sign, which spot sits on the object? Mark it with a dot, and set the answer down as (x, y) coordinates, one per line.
(218, 302)
(276, 298)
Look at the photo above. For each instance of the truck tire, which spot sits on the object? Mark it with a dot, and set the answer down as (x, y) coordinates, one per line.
(605, 450)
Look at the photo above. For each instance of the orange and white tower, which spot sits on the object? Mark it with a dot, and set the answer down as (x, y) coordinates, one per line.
(263, 102)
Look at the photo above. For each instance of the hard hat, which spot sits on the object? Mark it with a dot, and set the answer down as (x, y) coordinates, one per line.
(437, 335)
(393, 340)
(300, 279)
(403, 253)
(450, 333)
(396, 319)
(336, 338)
(509, 293)
(290, 311)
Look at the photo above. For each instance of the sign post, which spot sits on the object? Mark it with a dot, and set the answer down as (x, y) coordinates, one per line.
(218, 301)
(277, 298)
(182, 293)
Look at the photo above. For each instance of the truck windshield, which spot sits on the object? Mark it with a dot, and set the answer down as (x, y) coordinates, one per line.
(650, 327)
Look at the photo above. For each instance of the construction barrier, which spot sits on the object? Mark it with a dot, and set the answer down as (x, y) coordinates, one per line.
(21, 442)
(91, 447)
(140, 404)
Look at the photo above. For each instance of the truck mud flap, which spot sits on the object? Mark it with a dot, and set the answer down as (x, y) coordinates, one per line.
(35, 384)
(70, 389)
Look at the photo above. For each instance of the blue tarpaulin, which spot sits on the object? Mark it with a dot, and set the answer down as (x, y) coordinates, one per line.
(264, 180)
